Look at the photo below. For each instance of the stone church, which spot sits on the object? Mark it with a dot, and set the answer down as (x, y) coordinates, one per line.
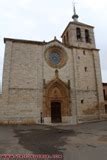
(53, 82)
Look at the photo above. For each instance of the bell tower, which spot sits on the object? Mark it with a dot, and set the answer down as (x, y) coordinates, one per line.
(78, 34)
(79, 37)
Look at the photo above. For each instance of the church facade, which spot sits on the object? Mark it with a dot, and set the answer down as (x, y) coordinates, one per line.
(53, 82)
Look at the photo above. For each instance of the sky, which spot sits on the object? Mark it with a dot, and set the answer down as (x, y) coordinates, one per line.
(41, 20)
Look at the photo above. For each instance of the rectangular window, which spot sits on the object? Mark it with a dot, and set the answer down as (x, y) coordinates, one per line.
(84, 52)
(104, 93)
(85, 68)
(82, 101)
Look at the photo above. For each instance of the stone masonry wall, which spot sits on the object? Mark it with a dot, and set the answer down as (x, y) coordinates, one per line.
(25, 70)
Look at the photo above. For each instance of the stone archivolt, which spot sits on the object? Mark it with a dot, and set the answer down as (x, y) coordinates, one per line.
(56, 91)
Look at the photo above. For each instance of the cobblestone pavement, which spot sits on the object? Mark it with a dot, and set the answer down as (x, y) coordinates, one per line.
(81, 142)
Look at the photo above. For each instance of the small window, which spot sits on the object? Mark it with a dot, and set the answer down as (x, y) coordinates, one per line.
(105, 108)
(84, 52)
(87, 36)
(85, 68)
(82, 101)
(104, 93)
(78, 32)
(78, 57)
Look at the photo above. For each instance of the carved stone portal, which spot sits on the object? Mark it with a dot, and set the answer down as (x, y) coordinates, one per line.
(56, 92)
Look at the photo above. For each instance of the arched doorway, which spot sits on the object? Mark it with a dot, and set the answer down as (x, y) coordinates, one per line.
(56, 102)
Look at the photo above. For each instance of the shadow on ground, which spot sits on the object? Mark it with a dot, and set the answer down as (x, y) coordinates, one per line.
(42, 139)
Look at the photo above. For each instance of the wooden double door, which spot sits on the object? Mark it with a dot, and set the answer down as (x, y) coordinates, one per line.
(56, 112)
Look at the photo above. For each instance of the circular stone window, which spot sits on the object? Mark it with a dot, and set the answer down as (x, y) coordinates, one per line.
(55, 57)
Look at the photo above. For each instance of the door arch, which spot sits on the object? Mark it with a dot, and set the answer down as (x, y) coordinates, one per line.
(56, 92)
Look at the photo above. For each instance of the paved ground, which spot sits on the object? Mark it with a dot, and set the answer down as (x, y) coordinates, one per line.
(81, 142)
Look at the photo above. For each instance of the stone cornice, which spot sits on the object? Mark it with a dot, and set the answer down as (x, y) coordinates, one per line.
(25, 41)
